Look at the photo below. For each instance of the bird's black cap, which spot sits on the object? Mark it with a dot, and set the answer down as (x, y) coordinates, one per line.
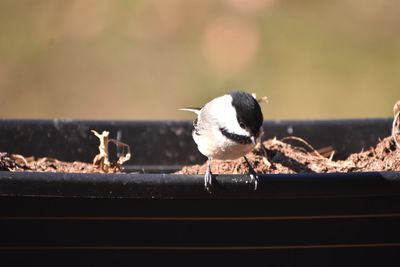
(248, 111)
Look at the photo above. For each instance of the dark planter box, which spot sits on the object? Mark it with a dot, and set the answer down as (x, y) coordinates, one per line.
(149, 214)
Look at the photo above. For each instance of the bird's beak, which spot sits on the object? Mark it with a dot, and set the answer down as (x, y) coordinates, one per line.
(253, 140)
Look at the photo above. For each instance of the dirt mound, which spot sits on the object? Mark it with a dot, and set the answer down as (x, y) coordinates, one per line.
(277, 156)
(272, 156)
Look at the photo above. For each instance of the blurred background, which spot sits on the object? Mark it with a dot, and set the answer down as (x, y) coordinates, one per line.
(144, 59)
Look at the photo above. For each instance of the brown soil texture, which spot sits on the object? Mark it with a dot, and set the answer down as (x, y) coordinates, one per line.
(274, 156)
(18, 163)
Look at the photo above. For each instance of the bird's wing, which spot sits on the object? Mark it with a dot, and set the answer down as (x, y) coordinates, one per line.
(205, 120)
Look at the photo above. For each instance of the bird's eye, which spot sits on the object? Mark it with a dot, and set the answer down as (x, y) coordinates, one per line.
(241, 124)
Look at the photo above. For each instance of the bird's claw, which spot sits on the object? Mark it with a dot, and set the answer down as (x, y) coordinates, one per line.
(208, 177)
(253, 175)
(254, 179)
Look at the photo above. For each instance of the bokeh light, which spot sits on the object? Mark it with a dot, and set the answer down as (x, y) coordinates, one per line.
(250, 6)
(230, 45)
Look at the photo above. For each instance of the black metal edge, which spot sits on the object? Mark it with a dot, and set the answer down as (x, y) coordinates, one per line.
(288, 123)
(166, 186)
(170, 142)
(157, 142)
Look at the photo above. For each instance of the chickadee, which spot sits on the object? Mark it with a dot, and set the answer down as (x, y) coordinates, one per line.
(226, 128)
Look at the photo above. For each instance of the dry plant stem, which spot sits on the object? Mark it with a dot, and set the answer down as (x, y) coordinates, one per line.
(102, 161)
(396, 107)
(263, 99)
(304, 142)
(396, 128)
(264, 154)
(19, 159)
(12, 162)
(331, 156)
(326, 151)
(124, 153)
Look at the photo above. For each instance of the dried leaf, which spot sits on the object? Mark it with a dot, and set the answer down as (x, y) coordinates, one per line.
(102, 160)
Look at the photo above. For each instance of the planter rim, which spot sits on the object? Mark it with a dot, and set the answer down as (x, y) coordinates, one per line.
(165, 186)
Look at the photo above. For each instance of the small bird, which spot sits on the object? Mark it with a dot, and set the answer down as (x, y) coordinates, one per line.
(228, 127)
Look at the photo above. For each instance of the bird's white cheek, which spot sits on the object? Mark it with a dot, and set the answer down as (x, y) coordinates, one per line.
(224, 116)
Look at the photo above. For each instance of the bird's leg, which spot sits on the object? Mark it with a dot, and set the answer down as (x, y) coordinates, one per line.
(252, 173)
(208, 177)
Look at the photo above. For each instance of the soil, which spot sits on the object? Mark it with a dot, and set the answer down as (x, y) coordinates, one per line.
(101, 162)
(272, 156)
(18, 163)
(275, 156)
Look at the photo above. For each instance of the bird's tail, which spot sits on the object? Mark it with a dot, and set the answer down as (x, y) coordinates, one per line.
(195, 110)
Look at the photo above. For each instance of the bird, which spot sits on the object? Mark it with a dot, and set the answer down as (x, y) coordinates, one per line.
(226, 128)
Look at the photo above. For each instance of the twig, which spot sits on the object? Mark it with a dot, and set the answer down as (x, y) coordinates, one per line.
(396, 123)
(331, 156)
(264, 155)
(261, 100)
(124, 151)
(304, 142)
(102, 161)
(12, 162)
